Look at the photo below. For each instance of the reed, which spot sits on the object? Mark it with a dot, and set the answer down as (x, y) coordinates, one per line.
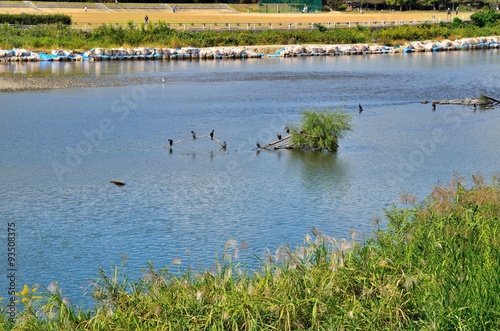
(436, 266)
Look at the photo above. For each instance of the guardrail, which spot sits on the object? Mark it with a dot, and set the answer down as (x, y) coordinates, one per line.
(270, 26)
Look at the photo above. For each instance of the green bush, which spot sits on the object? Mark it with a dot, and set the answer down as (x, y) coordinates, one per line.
(321, 130)
(483, 18)
(33, 19)
(342, 7)
(457, 23)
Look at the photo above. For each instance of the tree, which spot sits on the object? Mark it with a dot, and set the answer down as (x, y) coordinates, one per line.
(321, 130)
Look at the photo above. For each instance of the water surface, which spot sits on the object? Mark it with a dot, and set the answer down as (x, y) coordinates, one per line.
(60, 148)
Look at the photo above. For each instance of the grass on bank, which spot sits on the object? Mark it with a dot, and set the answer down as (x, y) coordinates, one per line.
(46, 37)
(435, 267)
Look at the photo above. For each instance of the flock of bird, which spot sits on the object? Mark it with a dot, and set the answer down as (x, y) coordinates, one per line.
(193, 136)
(279, 136)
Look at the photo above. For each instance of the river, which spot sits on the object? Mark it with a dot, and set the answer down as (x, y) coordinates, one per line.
(60, 148)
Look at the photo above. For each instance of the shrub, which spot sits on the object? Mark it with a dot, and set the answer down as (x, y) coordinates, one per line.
(457, 23)
(321, 130)
(342, 7)
(32, 19)
(485, 18)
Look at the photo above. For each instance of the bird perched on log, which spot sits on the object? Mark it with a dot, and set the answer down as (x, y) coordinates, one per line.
(170, 142)
(224, 145)
(212, 135)
(117, 182)
(258, 144)
(360, 108)
(279, 136)
(287, 129)
(193, 135)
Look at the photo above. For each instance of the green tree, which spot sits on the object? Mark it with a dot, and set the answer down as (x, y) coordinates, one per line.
(485, 17)
(321, 129)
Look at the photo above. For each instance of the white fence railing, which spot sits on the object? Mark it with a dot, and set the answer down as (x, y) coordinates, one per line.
(269, 26)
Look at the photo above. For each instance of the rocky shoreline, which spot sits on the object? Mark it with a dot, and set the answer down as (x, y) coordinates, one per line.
(146, 53)
(17, 82)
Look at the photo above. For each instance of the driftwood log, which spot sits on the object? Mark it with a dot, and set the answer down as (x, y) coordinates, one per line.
(482, 101)
(277, 144)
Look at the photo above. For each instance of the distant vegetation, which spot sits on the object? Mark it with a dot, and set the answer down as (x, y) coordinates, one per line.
(46, 37)
(435, 267)
(33, 19)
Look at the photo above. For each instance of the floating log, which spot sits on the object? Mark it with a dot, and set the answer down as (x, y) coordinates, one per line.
(491, 99)
(484, 100)
(280, 143)
(222, 144)
(463, 102)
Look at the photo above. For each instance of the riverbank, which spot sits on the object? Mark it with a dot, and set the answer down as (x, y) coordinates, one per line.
(407, 277)
(159, 53)
(19, 82)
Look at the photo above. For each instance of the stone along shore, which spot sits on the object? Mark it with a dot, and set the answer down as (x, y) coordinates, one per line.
(145, 53)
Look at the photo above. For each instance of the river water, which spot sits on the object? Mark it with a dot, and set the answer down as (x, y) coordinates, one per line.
(60, 148)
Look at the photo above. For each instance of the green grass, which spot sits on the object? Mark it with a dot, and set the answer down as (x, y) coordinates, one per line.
(160, 34)
(435, 267)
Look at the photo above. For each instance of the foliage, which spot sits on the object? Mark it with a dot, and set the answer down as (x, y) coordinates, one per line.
(33, 19)
(342, 7)
(435, 267)
(321, 130)
(46, 37)
(457, 23)
(485, 18)
(320, 27)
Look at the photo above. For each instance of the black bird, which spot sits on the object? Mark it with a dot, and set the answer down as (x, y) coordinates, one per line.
(360, 108)
(287, 129)
(170, 142)
(193, 134)
(279, 136)
(258, 144)
(224, 145)
(433, 107)
(212, 135)
(475, 107)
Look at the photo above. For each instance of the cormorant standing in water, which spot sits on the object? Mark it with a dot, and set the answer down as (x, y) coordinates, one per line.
(258, 144)
(193, 134)
(360, 108)
(170, 142)
(475, 107)
(224, 145)
(212, 135)
(433, 107)
(279, 136)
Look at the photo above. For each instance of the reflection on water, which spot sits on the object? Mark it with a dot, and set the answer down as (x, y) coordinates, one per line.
(319, 171)
(198, 196)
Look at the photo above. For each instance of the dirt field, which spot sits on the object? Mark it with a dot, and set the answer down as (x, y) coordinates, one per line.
(98, 16)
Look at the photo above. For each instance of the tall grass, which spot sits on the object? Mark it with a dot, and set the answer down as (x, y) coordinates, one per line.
(45, 37)
(435, 267)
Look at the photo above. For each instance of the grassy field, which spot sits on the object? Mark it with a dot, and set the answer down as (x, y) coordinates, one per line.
(119, 14)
